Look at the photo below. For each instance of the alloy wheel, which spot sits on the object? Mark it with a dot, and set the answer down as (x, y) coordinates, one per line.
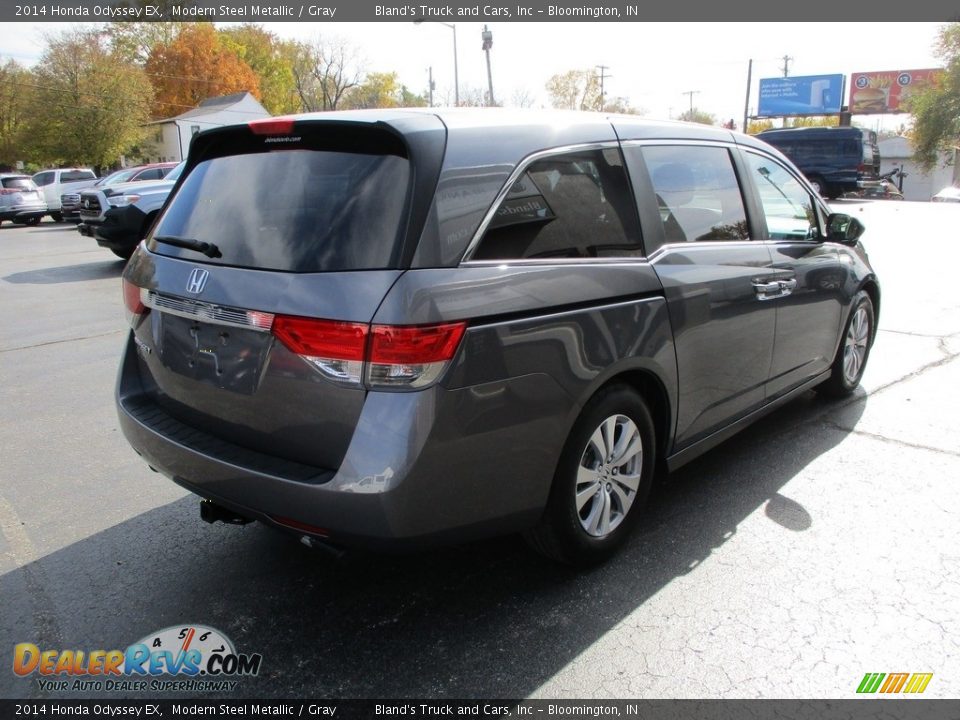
(609, 475)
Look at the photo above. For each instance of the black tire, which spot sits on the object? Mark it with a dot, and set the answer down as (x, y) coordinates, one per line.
(56, 217)
(577, 536)
(32, 221)
(819, 185)
(844, 378)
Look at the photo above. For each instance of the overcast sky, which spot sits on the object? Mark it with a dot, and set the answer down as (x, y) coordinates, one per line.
(652, 64)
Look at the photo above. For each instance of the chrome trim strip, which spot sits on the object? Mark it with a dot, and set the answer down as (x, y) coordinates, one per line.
(692, 244)
(729, 144)
(514, 176)
(541, 262)
(195, 310)
(586, 307)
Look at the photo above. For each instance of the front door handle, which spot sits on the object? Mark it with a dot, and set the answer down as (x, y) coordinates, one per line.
(767, 290)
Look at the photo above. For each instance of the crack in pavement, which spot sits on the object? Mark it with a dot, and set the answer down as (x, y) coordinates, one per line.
(892, 441)
(65, 340)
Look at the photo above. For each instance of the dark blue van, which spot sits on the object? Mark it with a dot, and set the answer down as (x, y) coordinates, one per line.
(834, 159)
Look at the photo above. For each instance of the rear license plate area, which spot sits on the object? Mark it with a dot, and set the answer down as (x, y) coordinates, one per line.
(226, 357)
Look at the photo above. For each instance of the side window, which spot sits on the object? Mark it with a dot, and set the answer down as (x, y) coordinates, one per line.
(575, 205)
(151, 174)
(697, 193)
(44, 178)
(788, 207)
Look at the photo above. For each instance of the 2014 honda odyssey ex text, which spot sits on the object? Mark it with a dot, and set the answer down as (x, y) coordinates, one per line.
(391, 328)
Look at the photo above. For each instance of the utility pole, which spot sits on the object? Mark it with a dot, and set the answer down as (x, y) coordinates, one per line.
(786, 68)
(786, 65)
(603, 76)
(746, 102)
(691, 93)
(432, 85)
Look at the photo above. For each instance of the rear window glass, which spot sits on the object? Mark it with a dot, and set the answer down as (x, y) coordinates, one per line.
(74, 175)
(293, 210)
(16, 183)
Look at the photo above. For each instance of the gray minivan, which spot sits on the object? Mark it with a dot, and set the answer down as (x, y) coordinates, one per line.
(398, 327)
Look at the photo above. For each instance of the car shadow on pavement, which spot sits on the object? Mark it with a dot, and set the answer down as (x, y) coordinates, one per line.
(69, 273)
(488, 619)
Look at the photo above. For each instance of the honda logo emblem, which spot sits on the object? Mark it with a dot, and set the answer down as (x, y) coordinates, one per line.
(196, 281)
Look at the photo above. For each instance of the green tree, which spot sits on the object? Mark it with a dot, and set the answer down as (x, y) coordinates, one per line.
(134, 41)
(382, 90)
(621, 105)
(815, 121)
(16, 87)
(755, 127)
(936, 109)
(89, 105)
(698, 116)
(266, 55)
(574, 90)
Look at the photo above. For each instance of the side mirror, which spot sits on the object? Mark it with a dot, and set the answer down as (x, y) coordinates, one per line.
(844, 229)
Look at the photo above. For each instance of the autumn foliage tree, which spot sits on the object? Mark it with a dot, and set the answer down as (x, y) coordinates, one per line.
(195, 66)
(574, 90)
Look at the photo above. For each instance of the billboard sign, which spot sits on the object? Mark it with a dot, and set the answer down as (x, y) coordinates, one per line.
(886, 92)
(806, 95)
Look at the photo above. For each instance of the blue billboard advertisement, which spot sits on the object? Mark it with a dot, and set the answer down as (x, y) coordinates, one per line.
(806, 95)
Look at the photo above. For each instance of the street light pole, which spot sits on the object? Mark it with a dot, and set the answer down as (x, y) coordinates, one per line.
(487, 36)
(456, 73)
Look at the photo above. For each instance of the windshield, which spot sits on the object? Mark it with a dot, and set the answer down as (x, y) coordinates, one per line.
(117, 177)
(175, 173)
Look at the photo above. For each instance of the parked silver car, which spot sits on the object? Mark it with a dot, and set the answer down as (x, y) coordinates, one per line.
(20, 200)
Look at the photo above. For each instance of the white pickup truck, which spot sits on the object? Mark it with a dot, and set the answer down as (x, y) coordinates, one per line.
(53, 183)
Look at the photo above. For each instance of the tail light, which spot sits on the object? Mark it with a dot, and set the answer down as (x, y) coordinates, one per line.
(336, 349)
(411, 357)
(378, 356)
(132, 302)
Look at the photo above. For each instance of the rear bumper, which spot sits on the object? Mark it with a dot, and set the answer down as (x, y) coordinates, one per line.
(422, 467)
(23, 212)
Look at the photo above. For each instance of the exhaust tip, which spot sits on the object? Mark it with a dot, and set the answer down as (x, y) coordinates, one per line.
(211, 512)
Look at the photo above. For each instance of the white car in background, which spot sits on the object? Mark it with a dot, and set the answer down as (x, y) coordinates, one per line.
(54, 183)
(951, 193)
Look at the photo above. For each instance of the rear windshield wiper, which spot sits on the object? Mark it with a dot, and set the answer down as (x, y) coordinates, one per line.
(208, 249)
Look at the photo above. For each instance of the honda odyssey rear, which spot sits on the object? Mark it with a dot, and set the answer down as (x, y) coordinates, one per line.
(393, 328)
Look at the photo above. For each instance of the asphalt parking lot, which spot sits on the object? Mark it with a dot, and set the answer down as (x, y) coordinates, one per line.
(818, 545)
